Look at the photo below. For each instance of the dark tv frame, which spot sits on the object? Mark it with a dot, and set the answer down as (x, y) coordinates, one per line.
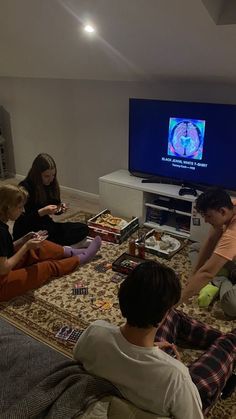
(155, 178)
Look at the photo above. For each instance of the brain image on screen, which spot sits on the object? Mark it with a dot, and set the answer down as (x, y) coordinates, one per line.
(186, 138)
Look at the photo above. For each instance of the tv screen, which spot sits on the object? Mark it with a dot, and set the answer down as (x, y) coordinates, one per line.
(187, 142)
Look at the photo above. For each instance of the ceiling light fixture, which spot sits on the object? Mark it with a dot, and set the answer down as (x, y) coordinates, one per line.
(89, 29)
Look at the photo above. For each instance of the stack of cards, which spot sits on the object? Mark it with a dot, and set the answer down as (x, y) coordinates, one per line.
(80, 289)
(69, 334)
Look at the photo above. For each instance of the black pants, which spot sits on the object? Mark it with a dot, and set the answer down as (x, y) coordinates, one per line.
(67, 233)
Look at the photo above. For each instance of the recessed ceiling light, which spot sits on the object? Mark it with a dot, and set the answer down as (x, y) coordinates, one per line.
(89, 29)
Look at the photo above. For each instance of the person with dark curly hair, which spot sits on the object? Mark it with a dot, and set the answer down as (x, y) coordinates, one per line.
(217, 252)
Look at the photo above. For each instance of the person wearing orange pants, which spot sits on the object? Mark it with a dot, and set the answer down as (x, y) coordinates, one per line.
(32, 260)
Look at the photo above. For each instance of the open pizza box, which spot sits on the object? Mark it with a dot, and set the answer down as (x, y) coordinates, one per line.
(111, 228)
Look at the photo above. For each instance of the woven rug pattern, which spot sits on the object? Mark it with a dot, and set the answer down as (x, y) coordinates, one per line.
(40, 313)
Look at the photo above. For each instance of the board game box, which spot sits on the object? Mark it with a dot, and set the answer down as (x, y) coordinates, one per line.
(111, 228)
(126, 263)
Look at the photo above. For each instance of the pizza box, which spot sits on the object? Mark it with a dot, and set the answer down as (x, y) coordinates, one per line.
(111, 228)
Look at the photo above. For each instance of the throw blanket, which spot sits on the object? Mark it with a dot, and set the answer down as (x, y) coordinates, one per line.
(37, 382)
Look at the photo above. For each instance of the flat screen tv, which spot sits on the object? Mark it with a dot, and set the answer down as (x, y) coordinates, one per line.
(187, 142)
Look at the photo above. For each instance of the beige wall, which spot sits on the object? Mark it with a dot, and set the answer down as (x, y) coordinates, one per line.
(84, 125)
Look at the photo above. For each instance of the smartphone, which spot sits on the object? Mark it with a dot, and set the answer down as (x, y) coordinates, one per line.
(59, 210)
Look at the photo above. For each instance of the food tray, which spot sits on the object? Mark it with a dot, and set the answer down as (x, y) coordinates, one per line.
(112, 233)
(177, 243)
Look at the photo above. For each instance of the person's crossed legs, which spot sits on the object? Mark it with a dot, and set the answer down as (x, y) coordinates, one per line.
(211, 371)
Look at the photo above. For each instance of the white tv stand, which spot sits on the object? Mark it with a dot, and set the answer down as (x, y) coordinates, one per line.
(157, 205)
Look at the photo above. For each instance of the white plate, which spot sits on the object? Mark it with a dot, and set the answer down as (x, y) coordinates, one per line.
(154, 244)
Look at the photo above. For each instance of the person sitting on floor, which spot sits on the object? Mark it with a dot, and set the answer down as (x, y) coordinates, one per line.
(133, 356)
(218, 251)
(30, 261)
(43, 202)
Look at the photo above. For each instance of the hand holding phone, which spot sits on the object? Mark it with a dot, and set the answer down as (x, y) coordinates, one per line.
(40, 235)
(61, 208)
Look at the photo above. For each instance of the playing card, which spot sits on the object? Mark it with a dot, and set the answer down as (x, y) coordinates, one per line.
(97, 257)
(102, 304)
(103, 267)
(64, 333)
(98, 303)
(117, 278)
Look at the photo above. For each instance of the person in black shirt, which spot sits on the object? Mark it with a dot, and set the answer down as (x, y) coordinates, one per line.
(31, 260)
(43, 202)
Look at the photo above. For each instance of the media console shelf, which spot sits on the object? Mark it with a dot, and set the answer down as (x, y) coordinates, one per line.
(157, 205)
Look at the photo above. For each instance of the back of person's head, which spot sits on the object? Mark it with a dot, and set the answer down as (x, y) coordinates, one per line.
(10, 197)
(213, 199)
(147, 293)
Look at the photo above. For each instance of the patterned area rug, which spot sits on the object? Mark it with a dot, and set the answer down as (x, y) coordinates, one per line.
(42, 312)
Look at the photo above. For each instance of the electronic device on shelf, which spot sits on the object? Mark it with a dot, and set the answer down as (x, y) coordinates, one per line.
(182, 142)
(187, 191)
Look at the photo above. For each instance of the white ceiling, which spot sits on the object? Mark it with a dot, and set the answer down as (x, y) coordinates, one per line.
(137, 40)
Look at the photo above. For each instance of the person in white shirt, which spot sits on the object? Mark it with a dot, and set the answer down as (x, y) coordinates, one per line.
(133, 356)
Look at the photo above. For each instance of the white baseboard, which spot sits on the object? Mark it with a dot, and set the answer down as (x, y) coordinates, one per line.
(82, 194)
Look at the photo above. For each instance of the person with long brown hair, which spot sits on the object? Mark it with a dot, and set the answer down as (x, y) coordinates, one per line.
(32, 260)
(44, 200)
